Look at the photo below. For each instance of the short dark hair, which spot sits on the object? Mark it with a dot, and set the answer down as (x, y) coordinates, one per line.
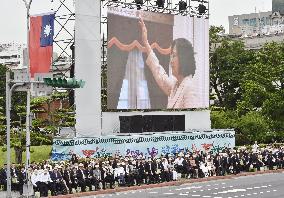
(185, 54)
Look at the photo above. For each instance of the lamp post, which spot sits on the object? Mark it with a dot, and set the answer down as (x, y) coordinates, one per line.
(9, 92)
(8, 135)
(28, 140)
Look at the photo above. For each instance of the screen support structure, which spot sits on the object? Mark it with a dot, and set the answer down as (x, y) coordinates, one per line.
(64, 41)
(64, 36)
(192, 9)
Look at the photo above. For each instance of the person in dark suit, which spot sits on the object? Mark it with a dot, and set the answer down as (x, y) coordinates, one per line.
(225, 163)
(81, 176)
(148, 171)
(96, 176)
(109, 174)
(56, 185)
(141, 172)
(22, 180)
(154, 168)
(218, 164)
(73, 177)
(14, 177)
(3, 177)
(67, 178)
(89, 173)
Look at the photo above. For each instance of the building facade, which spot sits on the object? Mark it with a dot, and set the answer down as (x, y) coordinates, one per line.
(256, 29)
(259, 23)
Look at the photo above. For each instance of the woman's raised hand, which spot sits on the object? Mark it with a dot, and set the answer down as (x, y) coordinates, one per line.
(144, 35)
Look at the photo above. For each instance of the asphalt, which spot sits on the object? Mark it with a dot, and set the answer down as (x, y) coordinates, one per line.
(270, 185)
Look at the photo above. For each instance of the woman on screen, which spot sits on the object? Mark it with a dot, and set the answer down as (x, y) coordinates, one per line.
(180, 88)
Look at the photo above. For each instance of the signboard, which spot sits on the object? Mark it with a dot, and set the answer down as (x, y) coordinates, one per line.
(143, 145)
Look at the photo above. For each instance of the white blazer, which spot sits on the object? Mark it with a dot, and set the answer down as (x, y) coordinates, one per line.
(183, 96)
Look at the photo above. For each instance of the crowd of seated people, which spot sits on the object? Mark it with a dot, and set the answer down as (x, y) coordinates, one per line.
(80, 175)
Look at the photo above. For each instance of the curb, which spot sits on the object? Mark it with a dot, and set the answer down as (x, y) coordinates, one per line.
(172, 183)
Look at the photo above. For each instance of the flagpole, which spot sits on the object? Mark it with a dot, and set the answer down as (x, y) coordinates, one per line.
(28, 116)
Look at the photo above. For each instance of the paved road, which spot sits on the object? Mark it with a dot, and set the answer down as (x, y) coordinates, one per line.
(259, 186)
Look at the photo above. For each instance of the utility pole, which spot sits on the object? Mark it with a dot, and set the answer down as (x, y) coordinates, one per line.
(28, 116)
(9, 195)
(9, 92)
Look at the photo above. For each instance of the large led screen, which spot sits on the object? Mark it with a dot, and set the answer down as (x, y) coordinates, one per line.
(156, 61)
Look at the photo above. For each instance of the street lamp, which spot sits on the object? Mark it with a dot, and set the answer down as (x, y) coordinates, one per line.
(8, 128)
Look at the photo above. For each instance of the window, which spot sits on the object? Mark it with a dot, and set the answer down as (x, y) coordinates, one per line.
(245, 22)
(252, 22)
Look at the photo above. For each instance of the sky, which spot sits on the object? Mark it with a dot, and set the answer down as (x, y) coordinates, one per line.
(13, 14)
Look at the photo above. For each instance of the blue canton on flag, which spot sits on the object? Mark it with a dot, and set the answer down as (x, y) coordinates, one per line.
(47, 30)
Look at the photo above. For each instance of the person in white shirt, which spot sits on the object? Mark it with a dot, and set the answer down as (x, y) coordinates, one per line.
(172, 169)
(119, 174)
(166, 172)
(35, 179)
(179, 163)
(255, 147)
(44, 181)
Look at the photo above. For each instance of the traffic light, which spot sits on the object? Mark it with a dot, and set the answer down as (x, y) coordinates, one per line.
(64, 82)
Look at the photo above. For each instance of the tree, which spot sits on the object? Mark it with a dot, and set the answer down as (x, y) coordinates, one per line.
(250, 82)
(221, 119)
(252, 127)
(263, 85)
(228, 60)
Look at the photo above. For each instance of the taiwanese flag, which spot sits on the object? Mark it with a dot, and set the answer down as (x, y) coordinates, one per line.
(40, 43)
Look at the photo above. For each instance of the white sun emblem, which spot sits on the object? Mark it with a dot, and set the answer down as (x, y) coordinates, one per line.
(47, 30)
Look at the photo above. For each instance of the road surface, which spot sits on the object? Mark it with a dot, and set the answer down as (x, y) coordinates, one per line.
(257, 186)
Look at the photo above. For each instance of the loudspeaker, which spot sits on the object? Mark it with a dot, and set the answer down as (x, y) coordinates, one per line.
(179, 123)
(162, 123)
(131, 124)
(124, 124)
(148, 123)
(136, 124)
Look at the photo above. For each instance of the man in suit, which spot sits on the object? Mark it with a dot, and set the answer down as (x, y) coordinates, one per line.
(81, 176)
(154, 168)
(89, 173)
(218, 164)
(14, 177)
(96, 176)
(67, 178)
(141, 172)
(56, 184)
(73, 177)
(3, 177)
(148, 171)
(22, 179)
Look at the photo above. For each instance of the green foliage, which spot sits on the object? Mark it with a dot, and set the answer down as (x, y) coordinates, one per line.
(273, 108)
(252, 127)
(40, 139)
(250, 83)
(228, 63)
(223, 119)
